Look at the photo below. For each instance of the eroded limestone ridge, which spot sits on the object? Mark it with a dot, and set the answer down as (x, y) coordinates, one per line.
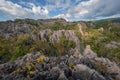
(76, 66)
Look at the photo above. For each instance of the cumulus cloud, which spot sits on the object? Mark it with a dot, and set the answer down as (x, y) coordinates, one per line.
(38, 9)
(93, 9)
(67, 9)
(14, 10)
(64, 16)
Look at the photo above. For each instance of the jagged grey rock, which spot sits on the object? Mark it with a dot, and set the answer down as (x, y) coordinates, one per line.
(62, 76)
(112, 45)
(54, 68)
(82, 72)
(89, 53)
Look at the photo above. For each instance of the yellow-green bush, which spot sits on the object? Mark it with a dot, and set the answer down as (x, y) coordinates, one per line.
(41, 59)
(30, 66)
(71, 66)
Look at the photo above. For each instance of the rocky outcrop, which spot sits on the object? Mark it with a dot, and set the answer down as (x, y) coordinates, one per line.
(83, 72)
(104, 65)
(86, 66)
(89, 53)
(112, 45)
(17, 27)
(55, 36)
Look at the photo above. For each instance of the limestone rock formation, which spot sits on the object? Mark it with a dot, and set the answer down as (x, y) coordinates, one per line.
(67, 67)
(77, 63)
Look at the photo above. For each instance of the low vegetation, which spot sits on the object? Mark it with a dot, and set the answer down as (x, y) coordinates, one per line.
(99, 39)
(17, 47)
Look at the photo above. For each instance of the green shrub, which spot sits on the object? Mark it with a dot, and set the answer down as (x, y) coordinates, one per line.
(64, 45)
(18, 52)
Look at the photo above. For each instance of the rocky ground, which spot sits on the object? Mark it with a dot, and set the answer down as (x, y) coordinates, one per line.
(76, 66)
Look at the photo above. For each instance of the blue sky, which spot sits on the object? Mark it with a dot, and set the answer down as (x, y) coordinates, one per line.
(71, 10)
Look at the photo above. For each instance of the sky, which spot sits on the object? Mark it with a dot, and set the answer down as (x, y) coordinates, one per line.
(71, 10)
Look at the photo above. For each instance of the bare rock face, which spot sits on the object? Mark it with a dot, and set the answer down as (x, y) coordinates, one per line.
(54, 36)
(89, 53)
(69, 34)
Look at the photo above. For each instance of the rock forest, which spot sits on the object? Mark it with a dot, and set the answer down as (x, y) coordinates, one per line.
(56, 49)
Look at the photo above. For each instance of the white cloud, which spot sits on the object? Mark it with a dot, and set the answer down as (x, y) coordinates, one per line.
(14, 10)
(69, 10)
(38, 9)
(93, 9)
(62, 16)
(53, 5)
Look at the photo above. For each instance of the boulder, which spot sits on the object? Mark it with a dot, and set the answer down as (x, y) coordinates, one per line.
(82, 72)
